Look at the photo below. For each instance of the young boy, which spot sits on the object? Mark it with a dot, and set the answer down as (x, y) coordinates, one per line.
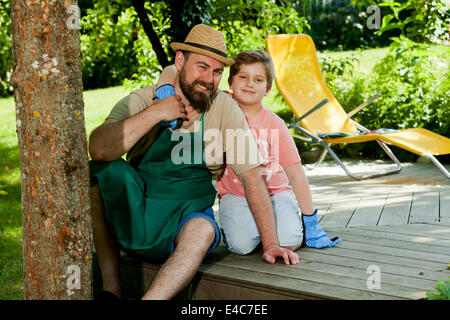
(251, 79)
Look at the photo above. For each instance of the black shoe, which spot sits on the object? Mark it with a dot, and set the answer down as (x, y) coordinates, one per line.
(106, 296)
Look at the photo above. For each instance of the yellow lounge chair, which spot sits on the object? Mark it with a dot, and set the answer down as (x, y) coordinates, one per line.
(300, 82)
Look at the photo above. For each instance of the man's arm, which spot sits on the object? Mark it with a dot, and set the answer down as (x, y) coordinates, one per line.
(111, 140)
(261, 207)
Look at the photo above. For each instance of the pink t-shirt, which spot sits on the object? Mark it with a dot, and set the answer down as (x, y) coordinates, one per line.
(278, 148)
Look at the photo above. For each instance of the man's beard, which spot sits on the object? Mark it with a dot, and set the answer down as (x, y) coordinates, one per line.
(199, 100)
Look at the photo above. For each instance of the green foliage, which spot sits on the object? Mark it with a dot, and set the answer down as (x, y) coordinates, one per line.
(443, 291)
(414, 82)
(5, 49)
(147, 66)
(418, 20)
(347, 85)
(339, 24)
(244, 24)
(414, 86)
(109, 31)
(240, 20)
(115, 46)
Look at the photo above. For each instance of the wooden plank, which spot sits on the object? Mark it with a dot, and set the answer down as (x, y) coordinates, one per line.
(323, 200)
(425, 207)
(368, 211)
(419, 230)
(393, 240)
(288, 284)
(409, 271)
(396, 209)
(355, 281)
(362, 274)
(376, 246)
(341, 210)
(214, 289)
(136, 276)
(444, 207)
(346, 271)
(383, 258)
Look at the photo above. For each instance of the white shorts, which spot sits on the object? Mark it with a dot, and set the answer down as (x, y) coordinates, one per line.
(239, 229)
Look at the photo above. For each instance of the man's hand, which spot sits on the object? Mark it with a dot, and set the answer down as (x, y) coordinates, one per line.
(272, 253)
(170, 108)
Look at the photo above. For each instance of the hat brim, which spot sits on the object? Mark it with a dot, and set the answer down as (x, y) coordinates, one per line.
(176, 46)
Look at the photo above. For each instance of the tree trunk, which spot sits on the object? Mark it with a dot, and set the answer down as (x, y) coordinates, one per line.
(48, 89)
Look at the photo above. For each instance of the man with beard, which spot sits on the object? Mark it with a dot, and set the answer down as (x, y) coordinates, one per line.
(155, 208)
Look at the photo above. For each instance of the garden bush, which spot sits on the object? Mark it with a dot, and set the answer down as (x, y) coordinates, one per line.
(341, 25)
(5, 49)
(414, 82)
(414, 85)
(108, 37)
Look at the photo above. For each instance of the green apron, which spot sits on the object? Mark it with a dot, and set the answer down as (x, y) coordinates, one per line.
(144, 206)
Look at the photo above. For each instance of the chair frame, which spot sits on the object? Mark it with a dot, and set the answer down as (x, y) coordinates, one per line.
(311, 138)
(327, 142)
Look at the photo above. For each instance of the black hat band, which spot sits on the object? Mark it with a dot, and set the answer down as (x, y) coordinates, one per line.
(200, 46)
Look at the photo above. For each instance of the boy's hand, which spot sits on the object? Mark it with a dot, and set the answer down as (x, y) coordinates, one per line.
(272, 253)
(171, 108)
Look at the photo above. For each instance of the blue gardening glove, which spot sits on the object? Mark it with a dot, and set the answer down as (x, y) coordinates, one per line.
(314, 235)
(166, 90)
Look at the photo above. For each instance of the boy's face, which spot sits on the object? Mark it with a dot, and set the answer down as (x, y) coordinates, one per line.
(249, 85)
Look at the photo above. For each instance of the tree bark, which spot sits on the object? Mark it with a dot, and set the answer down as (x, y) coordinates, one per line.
(48, 92)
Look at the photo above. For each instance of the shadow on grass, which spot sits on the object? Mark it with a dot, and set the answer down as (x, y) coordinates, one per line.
(9, 158)
(11, 266)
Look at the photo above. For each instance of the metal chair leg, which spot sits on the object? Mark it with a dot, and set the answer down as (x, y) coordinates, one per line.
(373, 175)
(437, 163)
(318, 162)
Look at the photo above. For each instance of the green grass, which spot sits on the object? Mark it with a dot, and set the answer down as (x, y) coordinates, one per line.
(98, 104)
(369, 57)
(10, 207)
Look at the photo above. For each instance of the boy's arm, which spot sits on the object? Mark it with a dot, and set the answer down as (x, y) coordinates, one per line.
(299, 183)
(167, 76)
(314, 235)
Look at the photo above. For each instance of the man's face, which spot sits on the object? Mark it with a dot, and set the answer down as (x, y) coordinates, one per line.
(199, 79)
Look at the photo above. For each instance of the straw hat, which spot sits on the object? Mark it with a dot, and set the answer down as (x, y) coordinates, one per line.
(205, 40)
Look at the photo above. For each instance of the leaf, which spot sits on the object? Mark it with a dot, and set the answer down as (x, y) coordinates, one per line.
(434, 296)
(389, 4)
(386, 20)
(390, 26)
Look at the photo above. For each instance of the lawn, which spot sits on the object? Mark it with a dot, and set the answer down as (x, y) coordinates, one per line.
(97, 106)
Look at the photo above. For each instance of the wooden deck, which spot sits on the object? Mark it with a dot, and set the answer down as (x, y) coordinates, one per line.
(396, 244)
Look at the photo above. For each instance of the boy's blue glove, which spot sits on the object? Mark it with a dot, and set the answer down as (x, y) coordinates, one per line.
(164, 91)
(314, 236)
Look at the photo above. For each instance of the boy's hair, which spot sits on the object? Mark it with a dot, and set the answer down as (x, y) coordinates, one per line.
(250, 57)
